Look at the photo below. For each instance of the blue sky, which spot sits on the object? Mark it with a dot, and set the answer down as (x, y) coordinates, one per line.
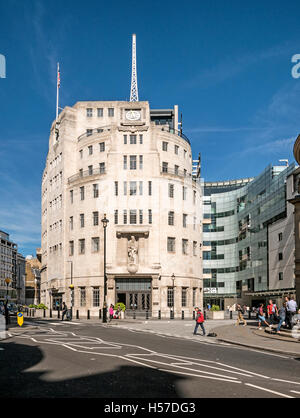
(226, 63)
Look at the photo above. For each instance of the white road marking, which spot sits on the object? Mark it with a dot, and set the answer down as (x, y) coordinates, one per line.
(197, 375)
(286, 381)
(269, 390)
(294, 391)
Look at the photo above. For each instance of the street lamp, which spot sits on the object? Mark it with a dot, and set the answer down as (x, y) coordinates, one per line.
(104, 223)
(71, 287)
(7, 281)
(173, 280)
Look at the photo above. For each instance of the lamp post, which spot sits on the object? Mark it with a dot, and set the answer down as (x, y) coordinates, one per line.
(7, 281)
(104, 316)
(71, 287)
(173, 280)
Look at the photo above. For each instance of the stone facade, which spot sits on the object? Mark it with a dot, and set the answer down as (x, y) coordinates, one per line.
(137, 169)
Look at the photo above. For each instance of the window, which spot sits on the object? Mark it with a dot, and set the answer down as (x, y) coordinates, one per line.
(280, 276)
(164, 167)
(150, 216)
(184, 297)
(96, 190)
(89, 112)
(71, 196)
(132, 216)
(125, 188)
(89, 132)
(81, 246)
(184, 172)
(116, 188)
(194, 197)
(176, 170)
(171, 190)
(96, 296)
(176, 148)
(95, 218)
(81, 153)
(171, 218)
(82, 193)
(100, 112)
(102, 168)
(124, 216)
(171, 245)
(164, 146)
(280, 256)
(170, 297)
(184, 153)
(150, 188)
(125, 162)
(280, 236)
(184, 220)
(184, 246)
(133, 139)
(82, 297)
(71, 247)
(141, 162)
(116, 217)
(141, 188)
(90, 168)
(132, 188)
(195, 248)
(132, 162)
(141, 139)
(95, 244)
(141, 216)
(71, 223)
(194, 296)
(125, 139)
(111, 111)
(90, 148)
(184, 192)
(81, 172)
(99, 130)
(81, 220)
(102, 146)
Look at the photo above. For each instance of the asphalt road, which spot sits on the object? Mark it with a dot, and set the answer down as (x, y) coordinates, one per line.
(72, 360)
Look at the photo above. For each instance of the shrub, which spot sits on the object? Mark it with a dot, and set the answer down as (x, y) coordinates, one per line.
(32, 306)
(42, 306)
(215, 308)
(122, 306)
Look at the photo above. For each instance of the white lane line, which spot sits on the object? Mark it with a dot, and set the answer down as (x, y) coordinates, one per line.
(199, 376)
(294, 391)
(286, 381)
(269, 390)
(245, 371)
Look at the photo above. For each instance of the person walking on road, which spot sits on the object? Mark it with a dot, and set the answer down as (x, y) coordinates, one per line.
(199, 321)
(240, 317)
(261, 316)
(64, 310)
(282, 316)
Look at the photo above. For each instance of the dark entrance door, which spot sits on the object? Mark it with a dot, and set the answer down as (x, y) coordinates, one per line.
(134, 292)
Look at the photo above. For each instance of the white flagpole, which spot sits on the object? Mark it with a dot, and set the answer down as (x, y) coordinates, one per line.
(57, 91)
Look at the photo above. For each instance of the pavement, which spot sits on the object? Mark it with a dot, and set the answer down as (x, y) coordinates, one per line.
(225, 330)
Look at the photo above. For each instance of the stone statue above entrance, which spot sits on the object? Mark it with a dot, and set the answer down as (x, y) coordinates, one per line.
(132, 250)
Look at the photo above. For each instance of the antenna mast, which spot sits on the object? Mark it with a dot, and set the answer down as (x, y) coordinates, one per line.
(134, 94)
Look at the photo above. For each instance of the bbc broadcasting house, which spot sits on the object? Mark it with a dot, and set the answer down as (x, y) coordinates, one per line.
(128, 162)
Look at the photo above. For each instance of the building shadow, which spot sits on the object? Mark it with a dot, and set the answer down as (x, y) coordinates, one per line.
(16, 381)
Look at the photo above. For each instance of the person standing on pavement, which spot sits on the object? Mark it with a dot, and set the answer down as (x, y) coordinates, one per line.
(240, 317)
(199, 321)
(261, 316)
(291, 308)
(111, 312)
(64, 310)
(282, 316)
(272, 311)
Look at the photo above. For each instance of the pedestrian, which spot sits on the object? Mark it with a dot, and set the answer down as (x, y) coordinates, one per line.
(111, 312)
(64, 310)
(240, 315)
(291, 308)
(261, 316)
(272, 311)
(282, 316)
(208, 307)
(199, 321)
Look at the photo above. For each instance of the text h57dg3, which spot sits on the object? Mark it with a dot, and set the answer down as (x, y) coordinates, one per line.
(296, 67)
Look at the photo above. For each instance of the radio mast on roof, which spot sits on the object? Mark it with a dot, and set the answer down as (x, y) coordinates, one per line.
(134, 94)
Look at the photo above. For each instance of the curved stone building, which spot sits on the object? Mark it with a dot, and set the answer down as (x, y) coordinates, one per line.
(129, 162)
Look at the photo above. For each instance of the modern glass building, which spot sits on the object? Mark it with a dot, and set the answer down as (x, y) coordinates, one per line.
(236, 219)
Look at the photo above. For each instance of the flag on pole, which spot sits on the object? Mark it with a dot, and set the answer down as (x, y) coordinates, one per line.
(58, 76)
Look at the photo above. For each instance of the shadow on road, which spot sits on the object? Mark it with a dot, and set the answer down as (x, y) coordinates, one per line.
(126, 381)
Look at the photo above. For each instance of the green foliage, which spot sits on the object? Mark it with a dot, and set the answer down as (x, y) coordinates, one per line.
(32, 306)
(122, 306)
(215, 308)
(42, 306)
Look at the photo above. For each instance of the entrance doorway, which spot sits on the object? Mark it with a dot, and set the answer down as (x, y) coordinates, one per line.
(135, 293)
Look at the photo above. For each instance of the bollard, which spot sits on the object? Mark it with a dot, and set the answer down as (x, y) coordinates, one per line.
(147, 315)
(33, 311)
(205, 316)
(159, 314)
(50, 313)
(100, 314)
(77, 314)
(171, 315)
(44, 313)
(88, 314)
(134, 315)
(182, 314)
(249, 314)
(58, 313)
(230, 314)
(194, 313)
